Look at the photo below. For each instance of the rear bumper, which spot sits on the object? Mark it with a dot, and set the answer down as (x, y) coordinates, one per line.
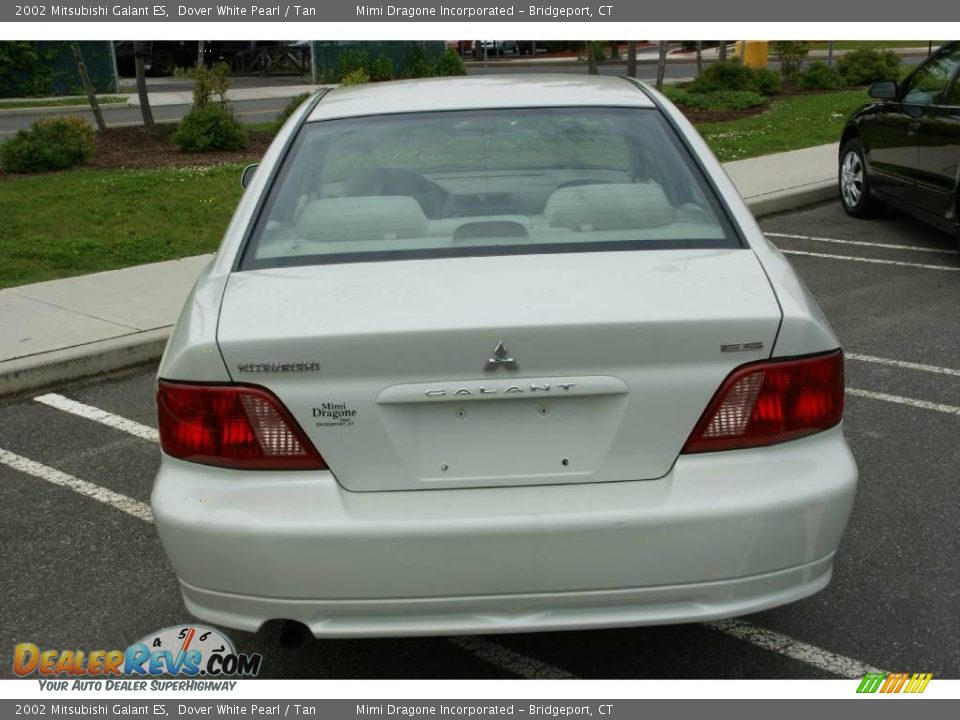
(722, 534)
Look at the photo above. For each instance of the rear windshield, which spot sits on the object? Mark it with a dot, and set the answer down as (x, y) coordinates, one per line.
(490, 182)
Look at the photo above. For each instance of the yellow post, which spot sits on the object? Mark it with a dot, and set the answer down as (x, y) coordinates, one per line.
(752, 53)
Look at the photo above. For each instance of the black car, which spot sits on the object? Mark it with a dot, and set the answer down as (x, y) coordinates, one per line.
(903, 149)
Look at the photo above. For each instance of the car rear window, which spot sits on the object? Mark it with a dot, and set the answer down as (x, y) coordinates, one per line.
(446, 184)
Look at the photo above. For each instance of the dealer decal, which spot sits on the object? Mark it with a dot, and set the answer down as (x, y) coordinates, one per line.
(191, 651)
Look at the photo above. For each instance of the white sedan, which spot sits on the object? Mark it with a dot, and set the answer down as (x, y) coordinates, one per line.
(497, 354)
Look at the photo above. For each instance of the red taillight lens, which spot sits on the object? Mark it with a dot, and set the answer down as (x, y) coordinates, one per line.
(234, 426)
(772, 401)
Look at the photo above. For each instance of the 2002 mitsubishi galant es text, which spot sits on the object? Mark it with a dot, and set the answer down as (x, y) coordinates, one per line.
(497, 354)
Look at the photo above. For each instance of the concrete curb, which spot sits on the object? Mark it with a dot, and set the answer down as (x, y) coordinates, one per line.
(37, 371)
(61, 109)
(75, 363)
(793, 198)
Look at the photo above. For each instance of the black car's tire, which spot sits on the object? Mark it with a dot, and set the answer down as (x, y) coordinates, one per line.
(855, 183)
(162, 63)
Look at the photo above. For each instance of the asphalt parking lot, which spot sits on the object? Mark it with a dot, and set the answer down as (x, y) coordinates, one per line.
(81, 569)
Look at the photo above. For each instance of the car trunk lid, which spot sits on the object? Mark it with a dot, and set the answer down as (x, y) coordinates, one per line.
(505, 370)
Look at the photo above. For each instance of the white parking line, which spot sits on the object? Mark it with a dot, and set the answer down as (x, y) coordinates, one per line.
(96, 414)
(861, 243)
(912, 402)
(876, 261)
(903, 364)
(487, 650)
(510, 660)
(95, 492)
(793, 648)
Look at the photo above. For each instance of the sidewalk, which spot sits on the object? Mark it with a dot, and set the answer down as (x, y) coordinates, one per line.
(78, 327)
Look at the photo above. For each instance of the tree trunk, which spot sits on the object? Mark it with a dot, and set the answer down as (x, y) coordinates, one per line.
(591, 60)
(632, 59)
(88, 86)
(200, 59)
(722, 50)
(138, 52)
(699, 57)
(614, 49)
(661, 64)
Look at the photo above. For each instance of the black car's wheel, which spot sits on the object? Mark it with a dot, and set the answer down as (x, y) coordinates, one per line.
(854, 183)
(162, 63)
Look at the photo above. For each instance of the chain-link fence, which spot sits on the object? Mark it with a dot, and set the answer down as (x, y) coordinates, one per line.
(41, 68)
(329, 55)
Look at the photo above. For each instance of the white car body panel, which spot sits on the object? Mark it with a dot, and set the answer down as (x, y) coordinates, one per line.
(630, 532)
(722, 534)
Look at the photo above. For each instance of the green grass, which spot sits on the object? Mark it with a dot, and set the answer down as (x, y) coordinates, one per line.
(790, 123)
(72, 223)
(58, 102)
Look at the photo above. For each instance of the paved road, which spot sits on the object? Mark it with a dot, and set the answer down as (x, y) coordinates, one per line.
(79, 573)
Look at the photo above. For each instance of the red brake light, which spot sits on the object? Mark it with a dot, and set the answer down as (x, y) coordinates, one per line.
(234, 426)
(770, 402)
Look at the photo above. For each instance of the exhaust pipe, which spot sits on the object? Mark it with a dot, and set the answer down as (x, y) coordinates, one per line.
(293, 634)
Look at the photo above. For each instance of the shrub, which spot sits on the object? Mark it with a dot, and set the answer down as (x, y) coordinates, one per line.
(49, 144)
(350, 60)
(820, 76)
(357, 76)
(288, 110)
(767, 82)
(720, 100)
(381, 69)
(449, 63)
(791, 54)
(867, 65)
(417, 65)
(733, 75)
(210, 128)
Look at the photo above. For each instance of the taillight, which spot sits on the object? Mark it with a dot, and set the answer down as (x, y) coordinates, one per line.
(770, 402)
(235, 426)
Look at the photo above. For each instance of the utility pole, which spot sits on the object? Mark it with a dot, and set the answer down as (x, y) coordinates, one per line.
(632, 58)
(722, 50)
(699, 57)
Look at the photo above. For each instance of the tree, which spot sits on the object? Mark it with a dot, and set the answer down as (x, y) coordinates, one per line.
(139, 52)
(632, 58)
(699, 57)
(87, 85)
(661, 64)
(591, 60)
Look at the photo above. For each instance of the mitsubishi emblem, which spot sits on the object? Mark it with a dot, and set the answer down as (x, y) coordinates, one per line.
(501, 359)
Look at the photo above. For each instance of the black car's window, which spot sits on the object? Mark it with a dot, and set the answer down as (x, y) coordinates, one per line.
(485, 182)
(927, 85)
(953, 93)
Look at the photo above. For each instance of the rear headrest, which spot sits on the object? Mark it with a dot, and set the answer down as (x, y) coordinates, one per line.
(344, 219)
(609, 206)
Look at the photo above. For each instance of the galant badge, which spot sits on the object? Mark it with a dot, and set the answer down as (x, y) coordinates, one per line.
(501, 359)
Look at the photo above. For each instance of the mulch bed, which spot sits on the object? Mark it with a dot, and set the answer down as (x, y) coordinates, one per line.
(139, 148)
(712, 116)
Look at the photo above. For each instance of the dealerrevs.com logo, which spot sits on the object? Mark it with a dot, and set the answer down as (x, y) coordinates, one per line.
(183, 651)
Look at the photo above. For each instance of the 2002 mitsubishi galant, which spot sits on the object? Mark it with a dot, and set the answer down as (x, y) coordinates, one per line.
(497, 354)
